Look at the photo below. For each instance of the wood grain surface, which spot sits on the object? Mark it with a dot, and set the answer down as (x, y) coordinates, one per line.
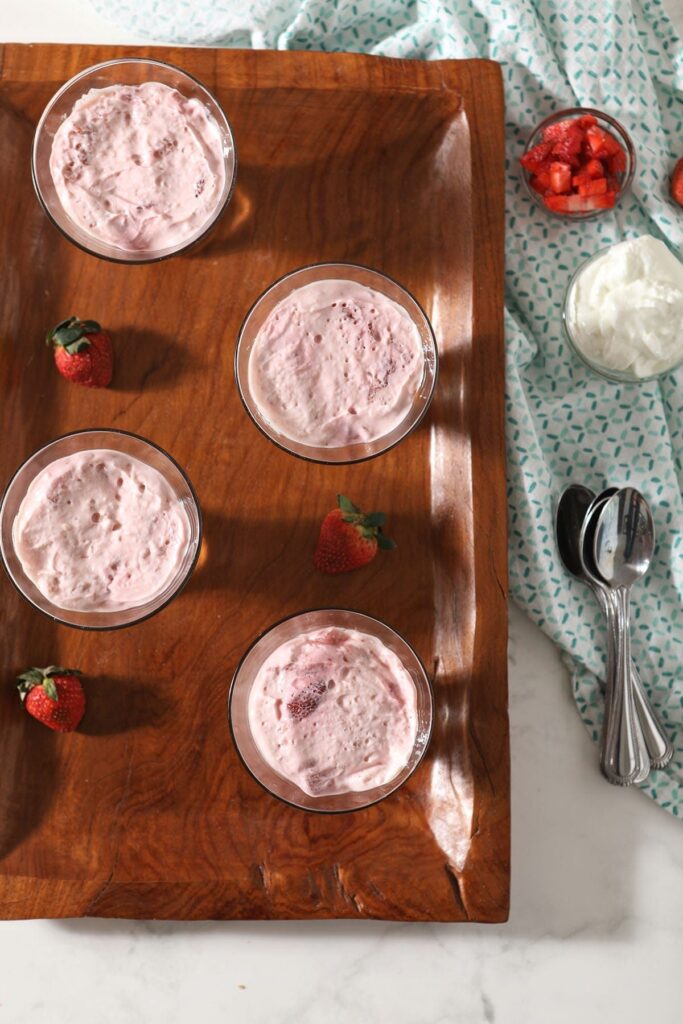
(146, 810)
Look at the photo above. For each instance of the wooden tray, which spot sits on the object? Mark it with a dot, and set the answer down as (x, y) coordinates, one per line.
(146, 811)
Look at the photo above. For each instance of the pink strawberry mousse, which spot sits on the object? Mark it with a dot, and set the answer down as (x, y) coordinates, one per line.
(334, 711)
(140, 167)
(100, 531)
(336, 363)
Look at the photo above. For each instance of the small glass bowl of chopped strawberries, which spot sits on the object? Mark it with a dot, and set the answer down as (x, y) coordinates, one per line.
(578, 163)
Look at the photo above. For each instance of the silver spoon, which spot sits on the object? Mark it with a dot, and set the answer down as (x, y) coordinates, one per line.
(658, 748)
(570, 513)
(633, 764)
(623, 545)
(611, 611)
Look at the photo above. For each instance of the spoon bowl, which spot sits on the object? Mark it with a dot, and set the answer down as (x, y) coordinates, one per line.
(624, 539)
(570, 514)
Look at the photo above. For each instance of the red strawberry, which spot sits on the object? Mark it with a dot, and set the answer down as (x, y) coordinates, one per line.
(580, 204)
(560, 177)
(541, 182)
(595, 187)
(677, 183)
(83, 352)
(536, 159)
(349, 538)
(568, 148)
(616, 164)
(594, 168)
(601, 143)
(54, 696)
(306, 700)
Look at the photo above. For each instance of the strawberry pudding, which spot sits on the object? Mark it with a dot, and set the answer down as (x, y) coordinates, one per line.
(139, 167)
(99, 530)
(335, 363)
(334, 711)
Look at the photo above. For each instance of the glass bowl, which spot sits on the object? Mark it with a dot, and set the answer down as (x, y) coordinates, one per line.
(609, 124)
(245, 674)
(606, 372)
(123, 71)
(85, 440)
(278, 291)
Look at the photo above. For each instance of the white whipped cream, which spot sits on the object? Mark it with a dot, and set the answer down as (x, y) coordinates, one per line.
(625, 309)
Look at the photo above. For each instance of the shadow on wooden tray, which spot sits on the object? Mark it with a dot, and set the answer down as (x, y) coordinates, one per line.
(30, 755)
(147, 360)
(118, 704)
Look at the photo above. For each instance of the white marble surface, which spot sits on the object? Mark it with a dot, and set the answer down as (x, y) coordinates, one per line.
(596, 928)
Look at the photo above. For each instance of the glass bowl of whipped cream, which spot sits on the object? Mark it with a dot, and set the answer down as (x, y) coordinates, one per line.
(133, 160)
(331, 710)
(99, 529)
(336, 363)
(623, 311)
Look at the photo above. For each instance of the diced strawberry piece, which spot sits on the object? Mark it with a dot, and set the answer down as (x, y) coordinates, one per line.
(306, 700)
(581, 178)
(613, 184)
(616, 163)
(613, 145)
(594, 169)
(541, 182)
(607, 201)
(594, 144)
(596, 187)
(586, 120)
(560, 177)
(580, 204)
(601, 143)
(536, 157)
(568, 148)
(559, 130)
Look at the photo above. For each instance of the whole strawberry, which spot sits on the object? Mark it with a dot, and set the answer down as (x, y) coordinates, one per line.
(83, 352)
(349, 538)
(677, 182)
(54, 696)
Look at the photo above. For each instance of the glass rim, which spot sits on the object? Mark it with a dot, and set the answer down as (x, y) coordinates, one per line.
(361, 615)
(613, 376)
(566, 114)
(85, 627)
(302, 454)
(219, 212)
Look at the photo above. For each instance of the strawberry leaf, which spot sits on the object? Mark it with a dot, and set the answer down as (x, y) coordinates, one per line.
(346, 505)
(50, 689)
(72, 334)
(374, 519)
(385, 543)
(33, 676)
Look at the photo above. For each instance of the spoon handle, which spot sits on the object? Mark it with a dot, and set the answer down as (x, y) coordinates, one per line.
(659, 748)
(610, 607)
(621, 758)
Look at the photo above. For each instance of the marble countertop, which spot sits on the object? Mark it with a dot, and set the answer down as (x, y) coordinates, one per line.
(596, 925)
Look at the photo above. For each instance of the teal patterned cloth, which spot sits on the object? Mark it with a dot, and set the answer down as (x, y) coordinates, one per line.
(563, 423)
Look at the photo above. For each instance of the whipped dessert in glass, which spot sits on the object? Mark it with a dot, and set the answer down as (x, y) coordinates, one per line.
(623, 312)
(336, 363)
(99, 531)
(334, 710)
(139, 167)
